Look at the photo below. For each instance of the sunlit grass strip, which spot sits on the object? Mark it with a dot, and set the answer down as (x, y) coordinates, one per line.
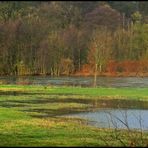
(114, 93)
(58, 132)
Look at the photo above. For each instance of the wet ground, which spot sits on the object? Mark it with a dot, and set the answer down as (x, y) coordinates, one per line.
(90, 104)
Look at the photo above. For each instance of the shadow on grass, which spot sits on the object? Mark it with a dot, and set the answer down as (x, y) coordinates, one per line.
(92, 106)
(45, 113)
(19, 93)
(100, 103)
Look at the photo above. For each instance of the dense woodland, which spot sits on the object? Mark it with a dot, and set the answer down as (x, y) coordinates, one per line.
(71, 37)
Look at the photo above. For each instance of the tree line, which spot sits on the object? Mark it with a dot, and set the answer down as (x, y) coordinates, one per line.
(62, 38)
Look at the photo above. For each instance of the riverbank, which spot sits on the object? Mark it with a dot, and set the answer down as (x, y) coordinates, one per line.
(114, 74)
(90, 73)
(28, 116)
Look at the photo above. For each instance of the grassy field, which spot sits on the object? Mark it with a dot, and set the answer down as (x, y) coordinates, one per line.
(28, 116)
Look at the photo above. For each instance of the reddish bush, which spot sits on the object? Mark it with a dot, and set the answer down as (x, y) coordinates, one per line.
(130, 66)
(143, 65)
(86, 68)
(112, 66)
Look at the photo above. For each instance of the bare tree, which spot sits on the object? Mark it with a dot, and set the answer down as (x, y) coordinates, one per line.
(100, 47)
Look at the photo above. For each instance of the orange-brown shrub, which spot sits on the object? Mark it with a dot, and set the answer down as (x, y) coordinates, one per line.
(112, 66)
(86, 68)
(129, 66)
(143, 65)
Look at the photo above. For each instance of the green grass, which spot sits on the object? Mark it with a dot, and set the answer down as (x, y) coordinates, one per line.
(21, 106)
(116, 93)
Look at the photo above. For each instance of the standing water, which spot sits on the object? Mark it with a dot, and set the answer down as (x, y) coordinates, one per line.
(77, 81)
(116, 118)
(106, 118)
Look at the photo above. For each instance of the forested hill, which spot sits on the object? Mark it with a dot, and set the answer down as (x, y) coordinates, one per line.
(71, 37)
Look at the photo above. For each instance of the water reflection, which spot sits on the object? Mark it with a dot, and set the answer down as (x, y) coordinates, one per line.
(116, 118)
(77, 81)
